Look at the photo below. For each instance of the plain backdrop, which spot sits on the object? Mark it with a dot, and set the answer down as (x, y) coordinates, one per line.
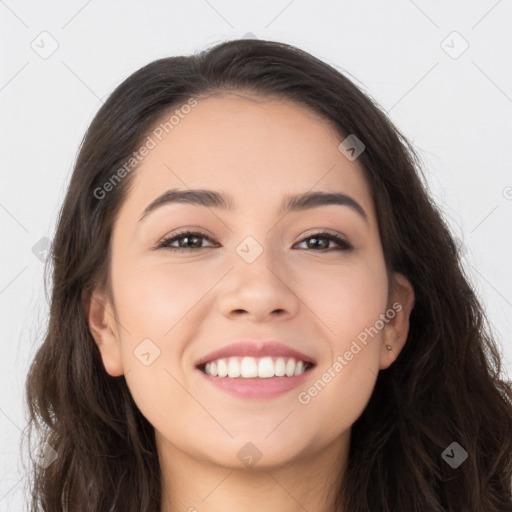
(442, 70)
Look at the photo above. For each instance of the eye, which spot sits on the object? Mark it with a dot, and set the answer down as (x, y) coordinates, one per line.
(330, 237)
(193, 241)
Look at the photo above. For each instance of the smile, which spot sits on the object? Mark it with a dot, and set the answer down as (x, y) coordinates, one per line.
(256, 378)
(253, 367)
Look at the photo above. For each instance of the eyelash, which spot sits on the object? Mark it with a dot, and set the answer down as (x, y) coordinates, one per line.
(165, 243)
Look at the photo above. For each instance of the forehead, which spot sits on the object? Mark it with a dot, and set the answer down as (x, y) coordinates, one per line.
(253, 148)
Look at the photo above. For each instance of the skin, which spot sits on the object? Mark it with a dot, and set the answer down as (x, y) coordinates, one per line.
(257, 150)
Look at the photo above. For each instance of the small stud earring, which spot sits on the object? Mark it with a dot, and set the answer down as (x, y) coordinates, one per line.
(389, 347)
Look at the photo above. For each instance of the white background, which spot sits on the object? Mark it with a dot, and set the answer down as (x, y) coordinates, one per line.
(457, 112)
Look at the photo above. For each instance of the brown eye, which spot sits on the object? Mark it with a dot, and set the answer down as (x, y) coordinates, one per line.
(192, 241)
(323, 239)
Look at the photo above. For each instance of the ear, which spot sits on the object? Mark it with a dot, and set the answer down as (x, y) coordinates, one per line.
(400, 304)
(103, 328)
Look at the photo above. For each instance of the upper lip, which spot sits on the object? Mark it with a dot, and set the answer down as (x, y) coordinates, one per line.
(255, 349)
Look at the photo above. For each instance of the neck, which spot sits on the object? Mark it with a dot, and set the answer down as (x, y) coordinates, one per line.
(310, 482)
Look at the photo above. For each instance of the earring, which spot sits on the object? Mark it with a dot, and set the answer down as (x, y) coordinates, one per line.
(389, 347)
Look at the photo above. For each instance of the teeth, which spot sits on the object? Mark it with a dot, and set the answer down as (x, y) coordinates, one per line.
(290, 368)
(222, 368)
(233, 368)
(280, 367)
(265, 368)
(251, 367)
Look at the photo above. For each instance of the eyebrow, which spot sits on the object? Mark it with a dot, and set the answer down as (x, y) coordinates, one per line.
(291, 203)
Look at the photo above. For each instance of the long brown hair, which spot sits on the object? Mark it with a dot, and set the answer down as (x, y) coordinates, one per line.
(444, 387)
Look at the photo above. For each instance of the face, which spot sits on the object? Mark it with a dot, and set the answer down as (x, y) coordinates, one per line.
(191, 279)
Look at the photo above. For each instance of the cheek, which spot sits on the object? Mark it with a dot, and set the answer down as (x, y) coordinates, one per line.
(346, 296)
(153, 299)
(349, 302)
(160, 307)
(155, 305)
(339, 296)
(336, 300)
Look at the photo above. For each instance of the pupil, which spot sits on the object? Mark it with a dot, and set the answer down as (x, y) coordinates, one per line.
(316, 245)
(188, 238)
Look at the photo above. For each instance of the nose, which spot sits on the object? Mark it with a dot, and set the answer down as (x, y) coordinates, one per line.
(260, 291)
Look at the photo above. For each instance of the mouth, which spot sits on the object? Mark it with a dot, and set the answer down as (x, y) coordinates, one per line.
(255, 367)
(256, 377)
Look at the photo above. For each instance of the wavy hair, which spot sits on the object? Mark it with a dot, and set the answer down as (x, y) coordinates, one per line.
(445, 386)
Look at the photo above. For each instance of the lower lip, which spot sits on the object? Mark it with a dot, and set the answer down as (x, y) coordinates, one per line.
(257, 388)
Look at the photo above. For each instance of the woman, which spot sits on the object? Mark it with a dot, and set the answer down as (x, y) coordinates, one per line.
(257, 306)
